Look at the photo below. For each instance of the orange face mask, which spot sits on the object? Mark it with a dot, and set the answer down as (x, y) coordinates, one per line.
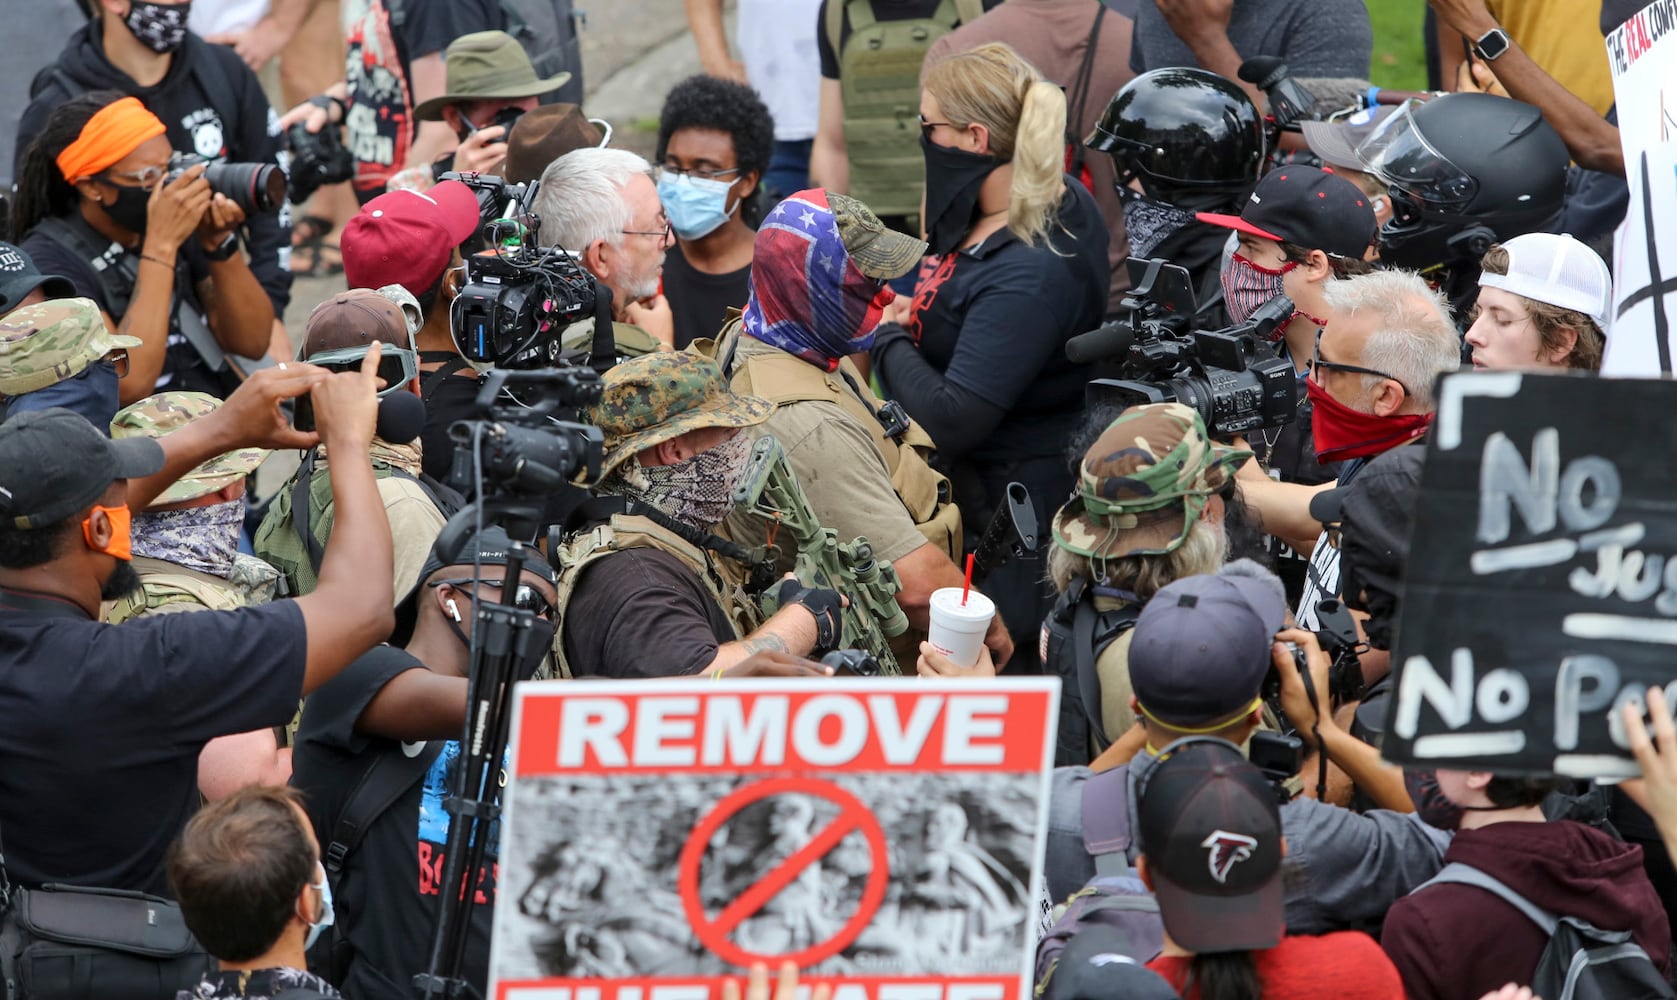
(122, 532)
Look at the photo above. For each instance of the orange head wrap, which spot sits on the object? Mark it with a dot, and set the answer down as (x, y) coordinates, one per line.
(113, 132)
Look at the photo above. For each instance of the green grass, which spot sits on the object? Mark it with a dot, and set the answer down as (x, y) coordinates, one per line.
(1400, 55)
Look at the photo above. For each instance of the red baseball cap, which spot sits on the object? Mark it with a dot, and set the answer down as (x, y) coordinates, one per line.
(408, 237)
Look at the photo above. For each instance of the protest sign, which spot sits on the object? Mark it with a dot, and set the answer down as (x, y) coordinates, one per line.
(1642, 54)
(1540, 594)
(662, 835)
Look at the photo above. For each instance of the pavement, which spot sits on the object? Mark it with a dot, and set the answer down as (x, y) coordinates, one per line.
(632, 54)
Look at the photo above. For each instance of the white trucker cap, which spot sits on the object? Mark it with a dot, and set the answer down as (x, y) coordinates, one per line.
(1558, 270)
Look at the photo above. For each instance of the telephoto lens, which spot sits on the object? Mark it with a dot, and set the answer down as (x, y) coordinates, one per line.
(254, 187)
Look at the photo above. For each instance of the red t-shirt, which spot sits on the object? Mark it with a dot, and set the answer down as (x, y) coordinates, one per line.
(1343, 966)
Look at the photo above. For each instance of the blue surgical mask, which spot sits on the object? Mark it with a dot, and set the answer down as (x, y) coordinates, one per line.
(695, 206)
(326, 914)
(91, 392)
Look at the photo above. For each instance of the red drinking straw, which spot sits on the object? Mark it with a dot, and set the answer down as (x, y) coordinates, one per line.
(966, 586)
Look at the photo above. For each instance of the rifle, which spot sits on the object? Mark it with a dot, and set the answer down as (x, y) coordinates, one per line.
(770, 491)
(1011, 533)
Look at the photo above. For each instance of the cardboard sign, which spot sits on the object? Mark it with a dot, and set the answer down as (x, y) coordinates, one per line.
(1541, 590)
(885, 835)
(1642, 53)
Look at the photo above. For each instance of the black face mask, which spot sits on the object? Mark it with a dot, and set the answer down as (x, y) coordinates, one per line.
(953, 177)
(129, 208)
(159, 27)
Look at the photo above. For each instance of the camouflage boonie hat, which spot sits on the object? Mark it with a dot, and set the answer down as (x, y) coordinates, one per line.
(656, 397)
(165, 412)
(48, 342)
(877, 251)
(1144, 483)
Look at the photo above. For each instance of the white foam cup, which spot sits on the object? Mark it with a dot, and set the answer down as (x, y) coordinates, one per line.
(957, 630)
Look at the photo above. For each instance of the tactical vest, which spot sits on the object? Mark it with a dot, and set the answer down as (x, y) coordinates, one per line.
(164, 583)
(724, 580)
(1076, 635)
(925, 493)
(879, 79)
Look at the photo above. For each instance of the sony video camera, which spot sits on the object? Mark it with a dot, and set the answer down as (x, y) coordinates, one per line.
(523, 445)
(517, 303)
(1233, 377)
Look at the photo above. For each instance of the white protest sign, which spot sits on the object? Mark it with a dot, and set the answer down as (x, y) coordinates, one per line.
(1643, 55)
(886, 837)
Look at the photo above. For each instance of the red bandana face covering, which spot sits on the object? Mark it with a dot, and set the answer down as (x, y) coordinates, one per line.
(1343, 433)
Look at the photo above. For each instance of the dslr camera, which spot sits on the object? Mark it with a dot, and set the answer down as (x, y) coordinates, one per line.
(1234, 377)
(254, 187)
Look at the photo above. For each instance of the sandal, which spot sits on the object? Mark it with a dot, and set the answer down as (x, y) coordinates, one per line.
(311, 255)
(310, 229)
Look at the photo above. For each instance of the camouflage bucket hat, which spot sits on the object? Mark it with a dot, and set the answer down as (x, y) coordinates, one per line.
(166, 412)
(48, 342)
(1144, 483)
(657, 397)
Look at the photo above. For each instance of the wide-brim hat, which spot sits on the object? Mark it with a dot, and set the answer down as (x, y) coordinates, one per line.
(166, 412)
(659, 397)
(487, 65)
(544, 134)
(1143, 484)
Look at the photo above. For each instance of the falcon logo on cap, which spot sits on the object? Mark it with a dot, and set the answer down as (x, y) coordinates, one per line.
(1226, 850)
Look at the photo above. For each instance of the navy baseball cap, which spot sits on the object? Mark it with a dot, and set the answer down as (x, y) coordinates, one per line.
(1201, 647)
(1307, 206)
(1098, 963)
(19, 276)
(1210, 828)
(53, 464)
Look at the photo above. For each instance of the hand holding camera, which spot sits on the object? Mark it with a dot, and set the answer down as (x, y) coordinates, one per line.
(177, 208)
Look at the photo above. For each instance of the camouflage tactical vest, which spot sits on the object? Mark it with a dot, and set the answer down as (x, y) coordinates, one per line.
(278, 542)
(782, 378)
(724, 580)
(163, 584)
(879, 78)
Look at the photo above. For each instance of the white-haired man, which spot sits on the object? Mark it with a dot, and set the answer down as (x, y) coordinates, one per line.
(602, 206)
(1387, 340)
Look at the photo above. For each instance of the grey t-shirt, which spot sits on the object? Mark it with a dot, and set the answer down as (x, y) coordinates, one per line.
(1318, 38)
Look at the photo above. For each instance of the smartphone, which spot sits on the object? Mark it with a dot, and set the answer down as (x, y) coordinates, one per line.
(302, 412)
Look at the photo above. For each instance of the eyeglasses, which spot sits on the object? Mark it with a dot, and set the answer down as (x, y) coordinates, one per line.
(119, 360)
(666, 234)
(525, 598)
(702, 174)
(146, 177)
(926, 126)
(1316, 363)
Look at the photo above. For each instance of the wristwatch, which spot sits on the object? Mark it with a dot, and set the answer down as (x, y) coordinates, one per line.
(1492, 44)
(225, 251)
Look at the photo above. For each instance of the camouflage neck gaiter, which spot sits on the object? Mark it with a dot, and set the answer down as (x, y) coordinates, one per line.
(698, 491)
(200, 538)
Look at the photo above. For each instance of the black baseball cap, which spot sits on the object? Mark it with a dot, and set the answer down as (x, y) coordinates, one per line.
(19, 276)
(1307, 206)
(53, 463)
(1210, 829)
(1201, 647)
(1099, 963)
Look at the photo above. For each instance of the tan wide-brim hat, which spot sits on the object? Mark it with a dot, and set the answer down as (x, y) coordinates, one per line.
(487, 65)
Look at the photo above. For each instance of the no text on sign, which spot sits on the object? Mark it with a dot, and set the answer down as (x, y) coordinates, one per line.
(715, 933)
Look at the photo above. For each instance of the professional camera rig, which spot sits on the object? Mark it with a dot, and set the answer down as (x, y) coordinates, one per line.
(1233, 377)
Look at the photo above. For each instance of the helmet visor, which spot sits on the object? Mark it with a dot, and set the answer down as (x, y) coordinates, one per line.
(1400, 155)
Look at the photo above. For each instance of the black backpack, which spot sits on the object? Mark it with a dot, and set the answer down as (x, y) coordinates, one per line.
(1077, 636)
(1582, 961)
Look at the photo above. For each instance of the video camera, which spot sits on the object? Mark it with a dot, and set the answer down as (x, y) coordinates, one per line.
(517, 303)
(497, 200)
(522, 447)
(1233, 376)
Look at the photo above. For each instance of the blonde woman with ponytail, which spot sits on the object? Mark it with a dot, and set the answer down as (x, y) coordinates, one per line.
(1017, 266)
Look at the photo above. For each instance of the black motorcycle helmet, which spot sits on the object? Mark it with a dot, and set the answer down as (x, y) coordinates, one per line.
(1464, 171)
(1182, 131)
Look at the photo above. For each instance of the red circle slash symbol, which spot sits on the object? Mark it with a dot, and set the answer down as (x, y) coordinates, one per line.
(854, 815)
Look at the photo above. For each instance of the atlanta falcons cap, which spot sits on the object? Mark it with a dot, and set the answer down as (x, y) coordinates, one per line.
(1210, 828)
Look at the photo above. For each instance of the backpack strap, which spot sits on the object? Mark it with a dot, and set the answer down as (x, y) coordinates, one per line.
(1462, 874)
(86, 246)
(1080, 94)
(1084, 618)
(1106, 820)
(301, 508)
(386, 779)
(205, 64)
(861, 17)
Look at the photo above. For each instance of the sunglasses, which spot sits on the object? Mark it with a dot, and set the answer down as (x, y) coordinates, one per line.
(1316, 363)
(525, 598)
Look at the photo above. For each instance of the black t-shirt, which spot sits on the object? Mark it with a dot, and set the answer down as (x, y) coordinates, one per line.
(994, 320)
(385, 897)
(883, 10)
(450, 394)
(380, 126)
(102, 726)
(698, 300)
(642, 613)
(183, 368)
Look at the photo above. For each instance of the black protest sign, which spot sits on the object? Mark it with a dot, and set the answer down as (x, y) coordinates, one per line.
(1541, 590)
